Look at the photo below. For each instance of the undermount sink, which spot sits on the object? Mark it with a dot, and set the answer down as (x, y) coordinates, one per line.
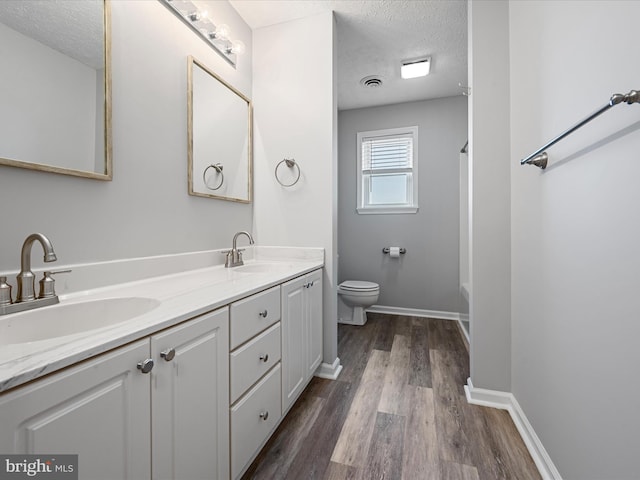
(72, 318)
(262, 267)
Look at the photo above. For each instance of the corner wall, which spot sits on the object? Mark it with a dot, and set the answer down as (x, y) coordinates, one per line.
(575, 233)
(295, 106)
(489, 169)
(426, 277)
(145, 210)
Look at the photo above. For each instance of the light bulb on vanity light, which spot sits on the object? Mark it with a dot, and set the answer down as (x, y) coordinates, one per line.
(237, 47)
(222, 32)
(198, 15)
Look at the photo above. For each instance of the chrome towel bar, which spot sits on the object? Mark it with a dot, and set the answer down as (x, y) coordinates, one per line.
(388, 250)
(539, 157)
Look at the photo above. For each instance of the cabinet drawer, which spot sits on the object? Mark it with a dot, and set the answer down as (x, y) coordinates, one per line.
(253, 315)
(249, 429)
(253, 359)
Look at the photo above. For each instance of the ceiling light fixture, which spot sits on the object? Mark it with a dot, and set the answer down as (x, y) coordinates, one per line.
(415, 68)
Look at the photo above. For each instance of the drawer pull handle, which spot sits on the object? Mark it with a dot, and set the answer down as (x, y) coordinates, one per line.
(264, 313)
(264, 415)
(168, 354)
(145, 366)
(265, 357)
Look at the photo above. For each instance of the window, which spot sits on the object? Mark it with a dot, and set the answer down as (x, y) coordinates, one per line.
(387, 171)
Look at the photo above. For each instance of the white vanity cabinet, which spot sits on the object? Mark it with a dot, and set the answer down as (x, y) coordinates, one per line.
(110, 413)
(99, 410)
(301, 334)
(189, 399)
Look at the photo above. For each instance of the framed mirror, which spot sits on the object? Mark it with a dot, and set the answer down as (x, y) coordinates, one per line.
(55, 87)
(220, 137)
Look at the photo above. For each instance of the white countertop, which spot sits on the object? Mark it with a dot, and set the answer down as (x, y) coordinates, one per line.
(181, 296)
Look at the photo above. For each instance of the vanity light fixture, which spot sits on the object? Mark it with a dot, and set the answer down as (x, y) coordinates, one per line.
(217, 36)
(415, 68)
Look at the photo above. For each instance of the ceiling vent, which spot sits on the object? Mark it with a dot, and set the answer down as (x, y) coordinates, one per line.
(371, 81)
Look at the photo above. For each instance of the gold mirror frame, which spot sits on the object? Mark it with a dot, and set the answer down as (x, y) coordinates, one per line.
(108, 173)
(216, 167)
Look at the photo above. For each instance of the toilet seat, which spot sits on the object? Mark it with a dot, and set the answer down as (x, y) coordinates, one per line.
(358, 286)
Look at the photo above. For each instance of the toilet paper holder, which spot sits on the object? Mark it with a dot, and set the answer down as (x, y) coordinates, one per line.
(388, 249)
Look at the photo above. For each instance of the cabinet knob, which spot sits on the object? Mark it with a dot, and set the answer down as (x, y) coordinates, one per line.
(265, 357)
(264, 415)
(168, 354)
(146, 366)
(263, 313)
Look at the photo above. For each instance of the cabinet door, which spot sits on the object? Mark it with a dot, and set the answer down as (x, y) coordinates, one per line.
(294, 344)
(314, 321)
(190, 399)
(98, 410)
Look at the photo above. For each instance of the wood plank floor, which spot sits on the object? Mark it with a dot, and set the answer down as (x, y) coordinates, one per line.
(397, 411)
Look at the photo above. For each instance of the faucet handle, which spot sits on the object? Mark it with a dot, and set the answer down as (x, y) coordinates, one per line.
(55, 272)
(5, 292)
(47, 284)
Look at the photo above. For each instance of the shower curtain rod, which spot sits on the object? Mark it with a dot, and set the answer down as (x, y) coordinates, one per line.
(539, 157)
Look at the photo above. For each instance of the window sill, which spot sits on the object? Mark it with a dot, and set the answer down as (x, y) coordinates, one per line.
(386, 210)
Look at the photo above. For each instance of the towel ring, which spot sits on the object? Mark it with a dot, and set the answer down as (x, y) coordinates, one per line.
(218, 168)
(291, 163)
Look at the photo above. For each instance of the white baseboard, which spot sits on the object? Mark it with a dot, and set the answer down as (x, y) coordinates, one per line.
(507, 401)
(329, 370)
(414, 312)
(464, 334)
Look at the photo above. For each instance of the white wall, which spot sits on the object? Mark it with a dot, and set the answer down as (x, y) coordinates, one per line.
(426, 277)
(145, 210)
(295, 107)
(575, 233)
(489, 168)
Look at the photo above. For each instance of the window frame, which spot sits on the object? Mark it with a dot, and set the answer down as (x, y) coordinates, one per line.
(362, 200)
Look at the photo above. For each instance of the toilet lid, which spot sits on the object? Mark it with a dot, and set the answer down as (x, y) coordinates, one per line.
(358, 286)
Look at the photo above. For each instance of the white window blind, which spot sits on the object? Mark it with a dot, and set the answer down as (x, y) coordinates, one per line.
(387, 171)
(387, 154)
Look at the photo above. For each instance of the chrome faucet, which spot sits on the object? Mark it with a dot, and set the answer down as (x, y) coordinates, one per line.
(234, 256)
(26, 289)
(26, 297)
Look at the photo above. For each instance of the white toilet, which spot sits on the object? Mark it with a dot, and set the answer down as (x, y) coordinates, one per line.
(354, 297)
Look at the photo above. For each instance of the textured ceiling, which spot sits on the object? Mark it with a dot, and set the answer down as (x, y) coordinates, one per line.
(374, 36)
(72, 27)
